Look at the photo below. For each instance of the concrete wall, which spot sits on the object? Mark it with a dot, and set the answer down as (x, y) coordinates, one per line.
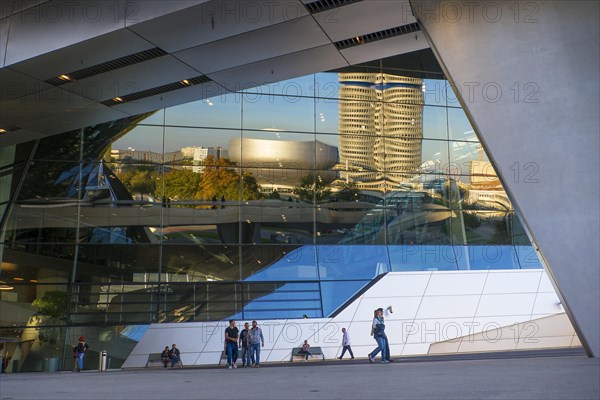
(527, 74)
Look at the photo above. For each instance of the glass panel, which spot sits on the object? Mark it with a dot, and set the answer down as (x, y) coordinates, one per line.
(435, 92)
(118, 263)
(204, 263)
(327, 86)
(435, 123)
(193, 148)
(459, 127)
(423, 258)
(37, 262)
(528, 258)
(337, 293)
(277, 221)
(303, 86)
(141, 145)
(223, 111)
(486, 257)
(284, 113)
(282, 300)
(114, 303)
(352, 262)
(279, 263)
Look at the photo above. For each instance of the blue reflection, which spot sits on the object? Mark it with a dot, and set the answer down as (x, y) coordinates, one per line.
(422, 258)
(486, 257)
(335, 293)
(352, 262)
(298, 264)
(527, 257)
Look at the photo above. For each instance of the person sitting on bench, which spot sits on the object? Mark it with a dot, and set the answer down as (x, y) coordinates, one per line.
(305, 350)
(174, 355)
(164, 356)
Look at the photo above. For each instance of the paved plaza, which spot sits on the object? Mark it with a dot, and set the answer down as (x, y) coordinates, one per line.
(566, 377)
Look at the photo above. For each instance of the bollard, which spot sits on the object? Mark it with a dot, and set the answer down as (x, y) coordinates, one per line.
(103, 359)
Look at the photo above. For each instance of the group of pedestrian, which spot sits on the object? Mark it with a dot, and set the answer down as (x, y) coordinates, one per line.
(171, 355)
(249, 341)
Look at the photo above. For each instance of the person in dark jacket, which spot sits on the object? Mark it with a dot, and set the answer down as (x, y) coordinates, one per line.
(79, 353)
(174, 355)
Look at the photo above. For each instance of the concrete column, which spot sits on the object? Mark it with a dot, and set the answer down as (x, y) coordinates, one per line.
(527, 77)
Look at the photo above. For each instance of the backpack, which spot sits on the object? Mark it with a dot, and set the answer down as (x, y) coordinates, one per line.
(80, 348)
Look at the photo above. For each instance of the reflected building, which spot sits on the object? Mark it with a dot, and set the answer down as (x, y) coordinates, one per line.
(380, 127)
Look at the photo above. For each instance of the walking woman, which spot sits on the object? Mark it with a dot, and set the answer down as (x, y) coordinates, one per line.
(378, 332)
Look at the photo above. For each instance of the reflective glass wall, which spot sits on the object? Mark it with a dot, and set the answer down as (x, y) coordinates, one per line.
(280, 201)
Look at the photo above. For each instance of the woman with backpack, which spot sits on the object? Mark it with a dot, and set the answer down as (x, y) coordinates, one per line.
(78, 353)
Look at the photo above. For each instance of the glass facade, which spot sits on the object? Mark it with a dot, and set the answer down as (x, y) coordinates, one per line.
(280, 201)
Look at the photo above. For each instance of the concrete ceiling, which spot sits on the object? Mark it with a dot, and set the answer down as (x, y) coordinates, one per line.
(237, 44)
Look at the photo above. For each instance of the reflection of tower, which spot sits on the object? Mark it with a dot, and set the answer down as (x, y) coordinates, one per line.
(380, 126)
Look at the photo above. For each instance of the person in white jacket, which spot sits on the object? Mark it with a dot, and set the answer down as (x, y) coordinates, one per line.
(346, 344)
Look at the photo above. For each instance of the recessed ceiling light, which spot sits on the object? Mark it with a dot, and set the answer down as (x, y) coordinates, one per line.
(185, 82)
(17, 279)
(118, 99)
(4, 286)
(3, 130)
(64, 77)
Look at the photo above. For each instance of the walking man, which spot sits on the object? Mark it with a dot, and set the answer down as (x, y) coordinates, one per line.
(244, 341)
(257, 341)
(231, 344)
(346, 344)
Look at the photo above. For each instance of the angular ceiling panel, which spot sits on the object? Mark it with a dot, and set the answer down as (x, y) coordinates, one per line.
(132, 79)
(280, 68)
(185, 95)
(364, 17)
(254, 46)
(85, 54)
(215, 20)
(15, 85)
(381, 48)
(73, 119)
(54, 25)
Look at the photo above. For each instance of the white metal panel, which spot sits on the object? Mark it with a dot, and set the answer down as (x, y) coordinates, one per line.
(505, 304)
(384, 48)
(505, 282)
(449, 306)
(403, 307)
(94, 51)
(546, 284)
(272, 41)
(409, 284)
(448, 283)
(547, 303)
(280, 68)
(364, 17)
(215, 20)
(57, 24)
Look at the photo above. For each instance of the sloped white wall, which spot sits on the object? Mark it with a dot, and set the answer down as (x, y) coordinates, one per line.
(428, 307)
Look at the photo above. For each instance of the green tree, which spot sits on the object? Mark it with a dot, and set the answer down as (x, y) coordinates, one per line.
(222, 180)
(139, 180)
(348, 192)
(180, 184)
(312, 187)
(53, 304)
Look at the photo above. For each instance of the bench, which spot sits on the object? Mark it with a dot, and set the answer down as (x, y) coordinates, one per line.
(155, 360)
(317, 354)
